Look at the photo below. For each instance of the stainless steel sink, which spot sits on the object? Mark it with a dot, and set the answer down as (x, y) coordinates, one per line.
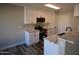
(60, 34)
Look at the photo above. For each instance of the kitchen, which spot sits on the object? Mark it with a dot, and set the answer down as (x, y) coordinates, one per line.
(24, 19)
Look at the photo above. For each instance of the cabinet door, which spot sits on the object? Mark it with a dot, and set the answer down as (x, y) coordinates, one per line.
(61, 46)
(27, 42)
(50, 48)
(36, 36)
(31, 38)
(63, 22)
(76, 10)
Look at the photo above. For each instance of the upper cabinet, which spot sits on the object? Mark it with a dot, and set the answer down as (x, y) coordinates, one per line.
(30, 14)
(76, 10)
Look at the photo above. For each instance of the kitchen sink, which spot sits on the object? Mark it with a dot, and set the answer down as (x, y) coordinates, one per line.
(60, 34)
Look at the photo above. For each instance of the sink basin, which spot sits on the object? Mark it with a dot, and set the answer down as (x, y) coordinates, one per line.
(61, 34)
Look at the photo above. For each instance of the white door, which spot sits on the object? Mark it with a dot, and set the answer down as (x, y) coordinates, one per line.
(63, 22)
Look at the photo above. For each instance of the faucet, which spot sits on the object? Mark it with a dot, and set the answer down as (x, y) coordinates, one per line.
(69, 28)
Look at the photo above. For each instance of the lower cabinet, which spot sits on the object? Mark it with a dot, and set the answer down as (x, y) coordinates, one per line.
(31, 37)
(51, 48)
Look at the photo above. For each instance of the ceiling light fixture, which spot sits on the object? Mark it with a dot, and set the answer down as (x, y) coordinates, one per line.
(52, 6)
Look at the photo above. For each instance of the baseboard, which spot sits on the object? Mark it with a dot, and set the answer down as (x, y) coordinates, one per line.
(13, 45)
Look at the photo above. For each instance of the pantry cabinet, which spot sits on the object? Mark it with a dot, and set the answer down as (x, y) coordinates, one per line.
(66, 19)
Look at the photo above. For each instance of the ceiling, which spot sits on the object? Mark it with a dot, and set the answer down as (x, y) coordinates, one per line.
(63, 6)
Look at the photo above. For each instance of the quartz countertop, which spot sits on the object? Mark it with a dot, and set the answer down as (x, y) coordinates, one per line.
(52, 38)
(70, 37)
(31, 31)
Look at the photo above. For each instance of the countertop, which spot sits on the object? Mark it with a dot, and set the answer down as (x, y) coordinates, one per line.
(69, 37)
(31, 31)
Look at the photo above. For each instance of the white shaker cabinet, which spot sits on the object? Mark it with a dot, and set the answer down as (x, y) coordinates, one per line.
(51, 48)
(76, 10)
(31, 37)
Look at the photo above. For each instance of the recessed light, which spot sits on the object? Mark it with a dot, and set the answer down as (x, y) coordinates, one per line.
(52, 6)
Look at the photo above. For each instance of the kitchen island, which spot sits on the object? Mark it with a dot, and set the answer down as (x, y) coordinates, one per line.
(66, 44)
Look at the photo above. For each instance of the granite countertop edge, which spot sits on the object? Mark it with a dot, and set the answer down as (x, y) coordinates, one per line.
(70, 37)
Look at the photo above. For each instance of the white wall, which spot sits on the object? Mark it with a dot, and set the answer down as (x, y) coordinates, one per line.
(32, 13)
(11, 17)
